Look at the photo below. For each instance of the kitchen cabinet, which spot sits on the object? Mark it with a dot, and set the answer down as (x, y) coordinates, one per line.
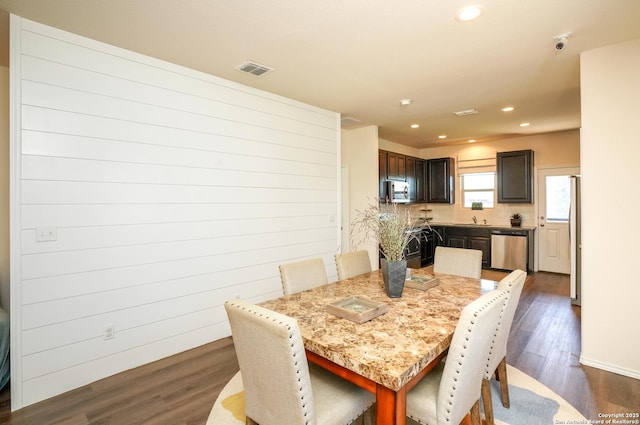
(440, 181)
(471, 238)
(421, 180)
(515, 177)
(429, 239)
(483, 244)
(427, 247)
(479, 237)
(382, 175)
(396, 166)
(410, 173)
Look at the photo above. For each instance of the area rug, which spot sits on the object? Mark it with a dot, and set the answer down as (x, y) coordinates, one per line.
(531, 403)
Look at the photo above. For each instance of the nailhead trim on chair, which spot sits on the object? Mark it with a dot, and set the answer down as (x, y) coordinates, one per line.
(453, 388)
(298, 371)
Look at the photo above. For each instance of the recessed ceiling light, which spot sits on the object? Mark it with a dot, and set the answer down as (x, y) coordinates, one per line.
(525, 124)
(507, 109)
(472, 140)
(468, 13)
(405, 102)
(442, 136)
(415, 125)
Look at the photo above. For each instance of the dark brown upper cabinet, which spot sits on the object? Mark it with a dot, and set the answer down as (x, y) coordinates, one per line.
(421, 180)
(396, 166)
(440, 181)
(382, 175)
(515, 177)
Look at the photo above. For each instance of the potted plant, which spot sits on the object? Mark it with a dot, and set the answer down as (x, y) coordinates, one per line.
(516, 220)
(392, 228)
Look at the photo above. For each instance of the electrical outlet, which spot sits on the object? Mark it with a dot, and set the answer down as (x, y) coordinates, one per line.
(46, 233)
(108, 332)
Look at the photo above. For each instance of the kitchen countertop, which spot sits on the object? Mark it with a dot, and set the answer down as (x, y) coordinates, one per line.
(480, 225)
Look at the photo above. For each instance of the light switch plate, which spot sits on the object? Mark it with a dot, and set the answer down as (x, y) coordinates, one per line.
(46, 233)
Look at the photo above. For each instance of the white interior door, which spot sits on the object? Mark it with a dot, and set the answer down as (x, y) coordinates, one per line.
(553, 219)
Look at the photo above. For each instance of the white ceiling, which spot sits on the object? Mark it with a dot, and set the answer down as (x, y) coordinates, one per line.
(361, 57)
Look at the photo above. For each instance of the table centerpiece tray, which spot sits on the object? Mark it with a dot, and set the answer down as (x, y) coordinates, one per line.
(357, 309)
(422, 282)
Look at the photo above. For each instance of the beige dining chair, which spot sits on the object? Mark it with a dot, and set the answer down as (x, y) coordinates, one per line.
(352, 264)
(303, 275)
(458, 261)
(512, 285)
(280, 387)
(451, 390)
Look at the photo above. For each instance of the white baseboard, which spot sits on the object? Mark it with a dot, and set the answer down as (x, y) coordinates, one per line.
(610, 368)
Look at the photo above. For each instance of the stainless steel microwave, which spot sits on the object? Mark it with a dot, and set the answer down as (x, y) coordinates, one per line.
(398, 191)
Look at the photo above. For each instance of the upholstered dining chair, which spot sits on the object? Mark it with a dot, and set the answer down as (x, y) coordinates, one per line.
(303, 275)
(352, 264)
(450, 391)
(458, 261)
(512, 285)
(280, 387)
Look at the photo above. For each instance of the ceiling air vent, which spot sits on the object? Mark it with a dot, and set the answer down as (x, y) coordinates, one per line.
(254, 68)
(465, 112)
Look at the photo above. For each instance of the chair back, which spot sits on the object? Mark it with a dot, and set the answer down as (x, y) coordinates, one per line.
(464, 367)
(274, 367)
(352, 264)
(303, 275)
(512, 285)
(458, 261)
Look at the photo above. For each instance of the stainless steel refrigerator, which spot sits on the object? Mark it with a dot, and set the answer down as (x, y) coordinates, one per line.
(575, 240)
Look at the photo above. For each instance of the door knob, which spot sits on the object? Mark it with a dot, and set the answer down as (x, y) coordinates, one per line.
(541, 217)
(542, 225)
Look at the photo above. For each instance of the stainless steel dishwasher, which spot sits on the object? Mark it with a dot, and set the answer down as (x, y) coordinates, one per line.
(509, 249)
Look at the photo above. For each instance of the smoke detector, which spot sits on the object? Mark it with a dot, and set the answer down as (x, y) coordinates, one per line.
(254, 68)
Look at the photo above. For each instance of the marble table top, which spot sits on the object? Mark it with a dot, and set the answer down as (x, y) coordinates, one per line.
(389, 349)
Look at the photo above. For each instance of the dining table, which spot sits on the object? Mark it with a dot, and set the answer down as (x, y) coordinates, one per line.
(390, 353)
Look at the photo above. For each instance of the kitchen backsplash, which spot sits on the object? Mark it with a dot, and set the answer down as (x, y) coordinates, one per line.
(499, 216)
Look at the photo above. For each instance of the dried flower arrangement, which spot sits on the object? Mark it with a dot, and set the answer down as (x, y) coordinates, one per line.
(389, 226)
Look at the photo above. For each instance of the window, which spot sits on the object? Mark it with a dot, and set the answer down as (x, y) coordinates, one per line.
(478, 187)
(558, 198)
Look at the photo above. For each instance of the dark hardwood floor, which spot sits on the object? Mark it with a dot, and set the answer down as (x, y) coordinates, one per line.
(545, 343)
(180, 390)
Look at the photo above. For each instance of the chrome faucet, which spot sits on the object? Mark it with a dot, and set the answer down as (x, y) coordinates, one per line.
(475, 219)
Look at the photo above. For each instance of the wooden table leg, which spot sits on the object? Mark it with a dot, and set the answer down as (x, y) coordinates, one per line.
(391, 406)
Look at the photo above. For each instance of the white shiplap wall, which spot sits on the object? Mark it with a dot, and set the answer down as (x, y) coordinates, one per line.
(171, 191)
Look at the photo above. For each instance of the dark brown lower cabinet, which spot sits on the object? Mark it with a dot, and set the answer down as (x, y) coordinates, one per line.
(470, 238)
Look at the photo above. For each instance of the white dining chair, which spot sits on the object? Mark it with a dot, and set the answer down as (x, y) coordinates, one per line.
(303, 275)
(280, 387)
(352, 264)
(512, 285)
(452, 389)
(458, 261)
